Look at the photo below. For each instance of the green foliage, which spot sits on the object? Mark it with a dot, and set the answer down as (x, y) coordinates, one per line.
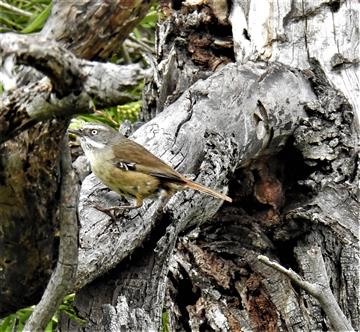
(165, 322)
(38, 21)
(114, 116)
(147, 25)
(23, 15)
(16, 321)
(68, 309)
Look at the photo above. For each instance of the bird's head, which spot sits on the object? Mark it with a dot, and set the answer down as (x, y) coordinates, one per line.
(94, 136)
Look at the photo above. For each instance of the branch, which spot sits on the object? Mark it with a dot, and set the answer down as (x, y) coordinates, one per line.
(50, 58)
(75, 86)
(320, 289)
(62, 279)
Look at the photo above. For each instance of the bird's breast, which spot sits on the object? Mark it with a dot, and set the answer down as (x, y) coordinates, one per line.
(125, 182)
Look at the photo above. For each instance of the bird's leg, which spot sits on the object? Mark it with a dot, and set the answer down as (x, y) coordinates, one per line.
(111, 209)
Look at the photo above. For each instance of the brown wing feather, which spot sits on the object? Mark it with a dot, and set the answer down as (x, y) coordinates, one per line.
(144, 161)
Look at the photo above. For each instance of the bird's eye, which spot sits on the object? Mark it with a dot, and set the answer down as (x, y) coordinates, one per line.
(94, 132)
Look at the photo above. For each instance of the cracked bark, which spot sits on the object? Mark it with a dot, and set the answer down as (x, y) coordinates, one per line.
(281, 140)
(29, 171)
(72, 85)
(284, 139)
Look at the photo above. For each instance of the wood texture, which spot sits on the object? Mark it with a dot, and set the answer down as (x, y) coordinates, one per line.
(71, 86)
(29, 171)
(211, 150)
(276, 130)
(293, 32)
(282, 136)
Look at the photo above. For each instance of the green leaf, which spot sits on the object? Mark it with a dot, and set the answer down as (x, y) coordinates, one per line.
(50, 327)
(165, 322)
(149, 21)
(7, 324)
(38, 22)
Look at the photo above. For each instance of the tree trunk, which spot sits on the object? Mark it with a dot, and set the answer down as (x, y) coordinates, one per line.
(278, 126)
(254, 100)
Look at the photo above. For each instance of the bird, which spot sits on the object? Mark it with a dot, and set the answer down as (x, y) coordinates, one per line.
(129, 169)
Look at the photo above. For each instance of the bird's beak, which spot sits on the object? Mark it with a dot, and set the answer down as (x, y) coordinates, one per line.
(75, 132)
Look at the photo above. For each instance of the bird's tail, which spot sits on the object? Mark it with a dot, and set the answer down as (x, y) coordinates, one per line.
(206, 190)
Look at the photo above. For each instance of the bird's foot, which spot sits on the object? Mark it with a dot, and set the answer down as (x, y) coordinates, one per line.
(113, 212)
(110, 211)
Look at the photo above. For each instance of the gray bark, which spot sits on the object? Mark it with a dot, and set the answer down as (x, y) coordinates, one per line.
(283, 139)
(30, 150)
(211, 150)
(318, 288)
(293, 32)
(72, 86)
(271, 130)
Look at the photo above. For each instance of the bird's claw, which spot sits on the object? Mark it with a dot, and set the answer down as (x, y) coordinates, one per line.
(113, 212)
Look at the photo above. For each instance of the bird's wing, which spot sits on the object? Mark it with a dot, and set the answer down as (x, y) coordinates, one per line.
(130, 155)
